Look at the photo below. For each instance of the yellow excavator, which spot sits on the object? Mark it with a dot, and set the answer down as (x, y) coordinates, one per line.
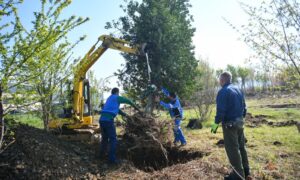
(78, 117)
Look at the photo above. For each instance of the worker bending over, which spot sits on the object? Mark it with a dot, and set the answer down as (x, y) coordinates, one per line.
(176, 114)
(110, 110)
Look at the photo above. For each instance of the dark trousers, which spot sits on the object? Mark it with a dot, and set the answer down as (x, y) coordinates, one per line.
(234, 140)
(109, 136)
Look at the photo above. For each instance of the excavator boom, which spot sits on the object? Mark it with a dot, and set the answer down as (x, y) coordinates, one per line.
(81, 112)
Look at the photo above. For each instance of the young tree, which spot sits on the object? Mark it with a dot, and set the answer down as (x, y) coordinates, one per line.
(97, 89)
(204, 93)
(54, 62)
(273, 31)
(25, 54)
(9, 30)
(166, 26)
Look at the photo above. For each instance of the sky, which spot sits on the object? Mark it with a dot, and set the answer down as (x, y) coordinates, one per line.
(214, 39)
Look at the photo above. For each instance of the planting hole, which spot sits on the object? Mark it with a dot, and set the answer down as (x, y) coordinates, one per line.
(148, 159)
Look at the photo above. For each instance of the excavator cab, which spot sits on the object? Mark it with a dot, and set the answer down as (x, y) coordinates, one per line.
(87, 98)
(68, 101)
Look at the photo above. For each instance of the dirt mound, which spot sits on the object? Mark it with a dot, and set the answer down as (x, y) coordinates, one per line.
(144, 148)
(255, 121)
(282, 105)
(284, 123)
(258, 120)
(37, 154)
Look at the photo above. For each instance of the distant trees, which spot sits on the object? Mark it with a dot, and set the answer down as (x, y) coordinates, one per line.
(243, 73)
(234, 72)
(166, 26)
(239, 74)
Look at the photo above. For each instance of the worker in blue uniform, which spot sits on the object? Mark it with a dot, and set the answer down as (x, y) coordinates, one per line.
(231, 110)
(176, 114)
(109, 111)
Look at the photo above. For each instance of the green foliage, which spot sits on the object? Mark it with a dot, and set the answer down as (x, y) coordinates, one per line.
(204, 94)
(243, 73)
(9, 30)
(31, 119)
(97, 89)
(33, 61)
(166, 26)
(288, 79)
(234, 72)
(54, 61)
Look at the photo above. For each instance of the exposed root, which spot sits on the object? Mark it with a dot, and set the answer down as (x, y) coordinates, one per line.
(147, 133)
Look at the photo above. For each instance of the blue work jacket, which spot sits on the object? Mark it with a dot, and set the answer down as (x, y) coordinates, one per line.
(230, 104)
(174, 107)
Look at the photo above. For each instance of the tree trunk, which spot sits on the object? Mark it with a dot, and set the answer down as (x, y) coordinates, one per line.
(243, 86)
(150, 105)
(1, 117)
(45, 114)
(1, 105)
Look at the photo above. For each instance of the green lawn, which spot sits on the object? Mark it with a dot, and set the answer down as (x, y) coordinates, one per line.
(268, 161)
(27, 118)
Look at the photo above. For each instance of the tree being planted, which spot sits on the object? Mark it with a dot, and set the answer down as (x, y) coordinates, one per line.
(166, 26)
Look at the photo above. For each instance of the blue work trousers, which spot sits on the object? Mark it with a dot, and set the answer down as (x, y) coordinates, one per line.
(178, 134)
(109, 136)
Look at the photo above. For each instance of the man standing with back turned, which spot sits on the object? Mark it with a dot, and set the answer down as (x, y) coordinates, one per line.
(231, 109)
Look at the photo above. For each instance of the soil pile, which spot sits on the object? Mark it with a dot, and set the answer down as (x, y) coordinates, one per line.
(283, 105)
(37, 154)
(144, 149)
(258, 120)
(255, 121)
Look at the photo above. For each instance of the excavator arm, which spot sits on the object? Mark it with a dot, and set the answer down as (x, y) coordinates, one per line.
(81, 100)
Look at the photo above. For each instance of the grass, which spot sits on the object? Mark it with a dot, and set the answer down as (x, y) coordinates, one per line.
(276, 114)
(27, 118)
(267, 160)
(261, 150)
